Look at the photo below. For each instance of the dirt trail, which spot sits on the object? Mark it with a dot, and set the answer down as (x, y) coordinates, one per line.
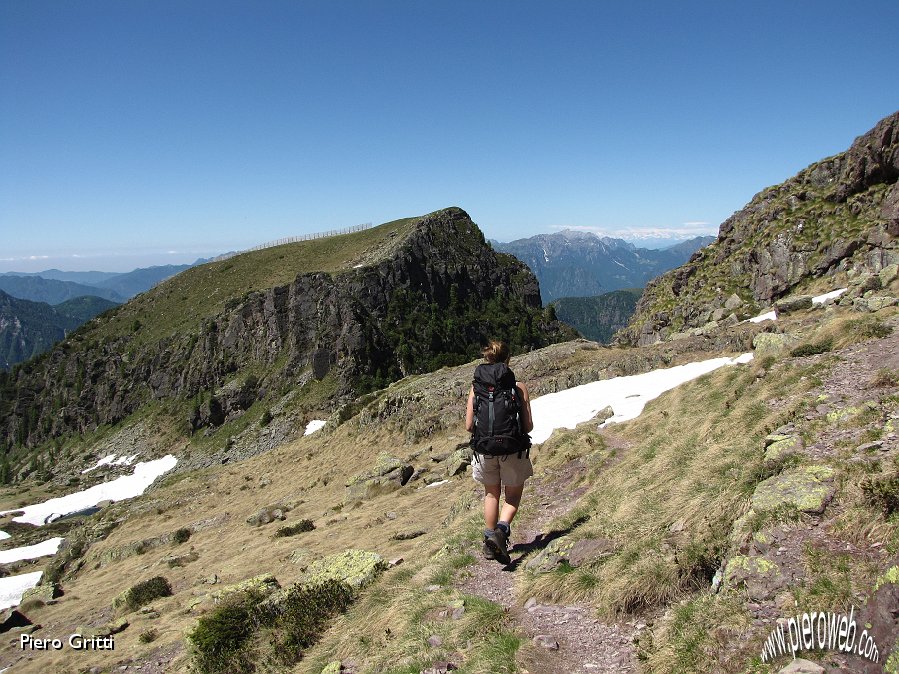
(568, 639)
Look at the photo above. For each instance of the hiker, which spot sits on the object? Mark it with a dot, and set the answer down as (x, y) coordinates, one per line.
(499, 418)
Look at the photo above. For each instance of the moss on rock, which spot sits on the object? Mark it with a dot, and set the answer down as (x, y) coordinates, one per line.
(356, 568)
(807, 489)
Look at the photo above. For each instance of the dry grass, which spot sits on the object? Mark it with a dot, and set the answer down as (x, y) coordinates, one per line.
(671, 500)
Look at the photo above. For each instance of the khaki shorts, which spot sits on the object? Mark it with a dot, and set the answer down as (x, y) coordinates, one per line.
(508, 470)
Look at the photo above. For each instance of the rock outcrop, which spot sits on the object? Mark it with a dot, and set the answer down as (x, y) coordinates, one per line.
(838, 216)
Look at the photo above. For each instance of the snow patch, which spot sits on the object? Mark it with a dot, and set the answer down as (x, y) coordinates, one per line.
(4, 536)
(833, 294)
(127, 486)
(818, 299)
(13, 587)
(48, 547)
(102, 462)
(313, 426)
(626, 395)
(436, 484)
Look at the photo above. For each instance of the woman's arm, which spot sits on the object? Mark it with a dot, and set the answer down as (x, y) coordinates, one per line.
(469, 412)
(526, 419)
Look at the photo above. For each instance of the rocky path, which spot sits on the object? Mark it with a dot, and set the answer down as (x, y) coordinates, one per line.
(567, 639)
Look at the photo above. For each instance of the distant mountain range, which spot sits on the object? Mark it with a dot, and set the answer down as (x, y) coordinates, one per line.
(30, 328)
(54, 286)
(581, 264)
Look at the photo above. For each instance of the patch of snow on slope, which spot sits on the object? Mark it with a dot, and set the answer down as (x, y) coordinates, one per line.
(102, 462)
(126, 486)
(48, 547)
(818, 299)
(313, 426)
(13, 587)
(626, 395)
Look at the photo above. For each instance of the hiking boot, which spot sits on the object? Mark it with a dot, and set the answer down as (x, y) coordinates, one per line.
(497, 542)
(487, 550)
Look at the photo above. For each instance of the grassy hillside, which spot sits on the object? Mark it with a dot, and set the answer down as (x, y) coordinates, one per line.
(180, 304)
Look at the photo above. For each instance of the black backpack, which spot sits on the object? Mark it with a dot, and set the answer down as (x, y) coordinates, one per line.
(497, 412)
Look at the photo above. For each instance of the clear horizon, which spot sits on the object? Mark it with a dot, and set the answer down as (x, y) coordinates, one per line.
(138, 134)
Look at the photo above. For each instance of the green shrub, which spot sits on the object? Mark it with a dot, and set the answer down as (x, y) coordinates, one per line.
(228, 638)
(147, 636)
(299, 621)
(813, 348)
(883, 492)
(143, 593)
(181, 536)
(266, 418)
(219, 640)
(293, 529)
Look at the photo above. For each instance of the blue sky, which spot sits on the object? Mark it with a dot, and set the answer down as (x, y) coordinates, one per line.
(143, 132)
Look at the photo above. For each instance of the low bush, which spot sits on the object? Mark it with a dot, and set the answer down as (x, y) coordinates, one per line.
(882, 492)
(143, 593)
(813, 348)
(181, 536)
(294, 529)
(250, 629)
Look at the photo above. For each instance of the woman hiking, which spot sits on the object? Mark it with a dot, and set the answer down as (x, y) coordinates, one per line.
(499, 418)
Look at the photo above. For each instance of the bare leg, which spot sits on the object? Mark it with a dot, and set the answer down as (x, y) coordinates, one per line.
(491, 504)
(513, 499)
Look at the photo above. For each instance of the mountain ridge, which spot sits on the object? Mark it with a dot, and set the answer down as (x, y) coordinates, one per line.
(574, 263)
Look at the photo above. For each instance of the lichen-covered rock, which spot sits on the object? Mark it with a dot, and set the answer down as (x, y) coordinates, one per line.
(807, 489)
(388, 474)
(356, 568)
(334, 667)
(459, 461)
(261, 585)
(781, 449)
(604, 414)
(889, 274)
(875, 303)
(760, 576)
(43, 592)
(789, 305)
(772, 343)
(551, 556)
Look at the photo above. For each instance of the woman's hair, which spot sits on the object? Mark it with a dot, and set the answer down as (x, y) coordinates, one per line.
(495, 352)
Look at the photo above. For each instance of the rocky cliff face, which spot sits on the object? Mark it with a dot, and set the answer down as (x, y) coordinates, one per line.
(428, 296)
(838, 217)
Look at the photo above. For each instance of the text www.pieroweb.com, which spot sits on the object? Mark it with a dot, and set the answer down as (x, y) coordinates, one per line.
(821, 630)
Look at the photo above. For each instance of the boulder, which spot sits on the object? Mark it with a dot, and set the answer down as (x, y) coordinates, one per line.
(802, 666)
(733, 302)
(332, 668)
(760, 576)
(771, 343)
(388, 474)
(781, 449)
(43, 592)
(604, 414)
(458, 461)
(590, 549)
(268, 514)
(872, 304)
(889, 274)
(356, 568)
(263, 585)
(11, 618)
(807, 489)
(788, 305)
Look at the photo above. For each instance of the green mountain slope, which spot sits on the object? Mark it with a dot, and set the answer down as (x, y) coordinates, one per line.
(31, 328)
(52, 291)
(600, 317)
